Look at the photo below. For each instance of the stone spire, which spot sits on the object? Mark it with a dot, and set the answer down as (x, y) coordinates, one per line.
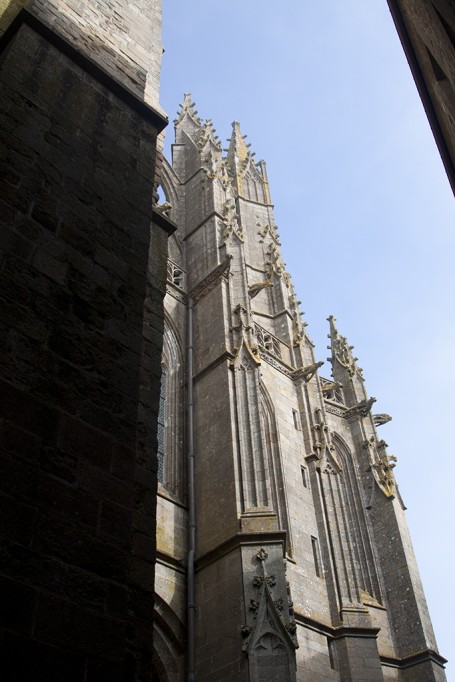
(194, 136)
(341, 350)
(238, 156)
(244, 170)
(187, 108)
(187, 124)
(208, 135)
(344, 365)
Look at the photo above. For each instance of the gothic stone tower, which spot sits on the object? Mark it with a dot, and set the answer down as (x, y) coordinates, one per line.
(304, 569)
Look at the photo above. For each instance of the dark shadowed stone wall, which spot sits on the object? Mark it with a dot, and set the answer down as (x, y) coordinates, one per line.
(79, 367)
(427, 33)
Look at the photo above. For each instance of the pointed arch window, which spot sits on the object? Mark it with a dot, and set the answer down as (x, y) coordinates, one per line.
(161, 427)
(356, 521)
(274, 465)
(171, 472)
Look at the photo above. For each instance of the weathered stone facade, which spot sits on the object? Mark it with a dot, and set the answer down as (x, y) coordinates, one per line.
(82, 279)
(304, 568)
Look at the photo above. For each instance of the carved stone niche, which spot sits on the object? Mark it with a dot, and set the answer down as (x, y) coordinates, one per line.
(268, 635)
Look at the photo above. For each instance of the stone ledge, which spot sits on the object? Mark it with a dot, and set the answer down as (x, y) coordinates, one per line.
(240, 540)
(425, 656)
(163, 221)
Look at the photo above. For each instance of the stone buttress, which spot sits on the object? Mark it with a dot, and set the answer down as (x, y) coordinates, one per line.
(300, 524)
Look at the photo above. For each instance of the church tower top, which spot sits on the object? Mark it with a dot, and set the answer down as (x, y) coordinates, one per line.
(187, 108)
(238, 152)
(243, 168)
(345, 369)
(341, 350)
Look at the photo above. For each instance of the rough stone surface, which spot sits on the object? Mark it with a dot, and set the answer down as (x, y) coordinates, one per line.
(81, 288)
(124, 39)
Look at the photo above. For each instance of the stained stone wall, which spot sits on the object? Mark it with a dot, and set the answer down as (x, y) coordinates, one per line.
(80, 360)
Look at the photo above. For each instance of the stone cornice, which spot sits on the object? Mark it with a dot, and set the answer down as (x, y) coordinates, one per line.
(425, 656)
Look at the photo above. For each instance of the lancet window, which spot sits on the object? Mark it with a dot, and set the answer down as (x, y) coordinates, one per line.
(353, 504)
(161, 428)
(277, 488)
(170, 417)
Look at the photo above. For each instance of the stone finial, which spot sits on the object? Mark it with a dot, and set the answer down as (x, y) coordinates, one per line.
(262, 554)
(238, 152)
(239, 159)
(208, 135)
(188, 108)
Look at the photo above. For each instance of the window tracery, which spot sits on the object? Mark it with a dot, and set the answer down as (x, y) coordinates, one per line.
(176, 275)
(267, 340)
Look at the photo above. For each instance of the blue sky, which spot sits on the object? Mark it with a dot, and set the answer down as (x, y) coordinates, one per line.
(364, 209)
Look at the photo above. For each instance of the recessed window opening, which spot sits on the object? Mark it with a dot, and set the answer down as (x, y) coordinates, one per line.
(160, 430)
(332, 653)
(296, 417)
(161, 195)
(316, 556)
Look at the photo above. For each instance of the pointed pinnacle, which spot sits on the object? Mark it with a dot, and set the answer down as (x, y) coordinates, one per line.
(187, 106)
(333, 330)
(238, 148)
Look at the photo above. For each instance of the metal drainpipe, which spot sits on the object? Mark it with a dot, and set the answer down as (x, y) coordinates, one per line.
(191, 605)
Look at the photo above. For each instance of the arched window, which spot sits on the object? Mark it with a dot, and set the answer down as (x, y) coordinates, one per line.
(170, 417)
(354, 509)
(161, 427)
(277, 488)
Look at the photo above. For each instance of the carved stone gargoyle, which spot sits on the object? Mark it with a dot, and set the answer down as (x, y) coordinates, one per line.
(307, 372)
(362, 409)
(165, 208)
(254, 289)
(331, 386)
(380, 419)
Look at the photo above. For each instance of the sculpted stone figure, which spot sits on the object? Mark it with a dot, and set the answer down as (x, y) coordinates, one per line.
(380, 419)
(254, 289)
